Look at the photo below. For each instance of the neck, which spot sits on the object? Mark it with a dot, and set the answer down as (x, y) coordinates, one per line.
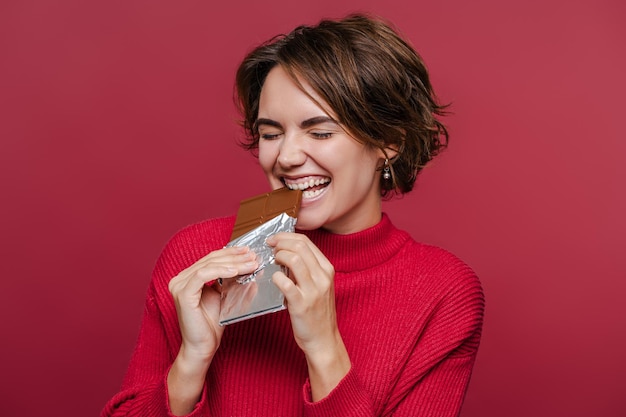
(359, 250)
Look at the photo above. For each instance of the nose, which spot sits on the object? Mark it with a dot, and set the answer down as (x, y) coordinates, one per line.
(291, 152)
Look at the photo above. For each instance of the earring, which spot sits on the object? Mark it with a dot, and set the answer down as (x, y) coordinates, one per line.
(386, 171)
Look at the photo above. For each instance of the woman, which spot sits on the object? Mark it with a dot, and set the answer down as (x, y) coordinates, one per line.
(376, 323)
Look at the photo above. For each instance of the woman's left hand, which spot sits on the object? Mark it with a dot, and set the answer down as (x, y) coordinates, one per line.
(310, 295)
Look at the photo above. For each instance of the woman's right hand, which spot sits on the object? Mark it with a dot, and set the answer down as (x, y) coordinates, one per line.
(198, 308)
(198, 301)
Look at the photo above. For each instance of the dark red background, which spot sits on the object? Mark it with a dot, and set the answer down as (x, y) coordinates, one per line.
(117, 128)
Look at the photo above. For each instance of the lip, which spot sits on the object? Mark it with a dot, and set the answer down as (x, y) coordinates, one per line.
(304, 183)
(307, 201)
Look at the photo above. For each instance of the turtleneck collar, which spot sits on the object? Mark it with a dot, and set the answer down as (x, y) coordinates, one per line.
(360, 250)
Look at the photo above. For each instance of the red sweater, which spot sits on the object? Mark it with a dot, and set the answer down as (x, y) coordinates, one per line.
(410, 316)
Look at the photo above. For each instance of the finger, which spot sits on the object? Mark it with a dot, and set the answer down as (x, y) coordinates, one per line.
(305, 275)
(292, 293)
(192, 283)
(225, 255)
(297, 245)
(293, 241)
(298, 253)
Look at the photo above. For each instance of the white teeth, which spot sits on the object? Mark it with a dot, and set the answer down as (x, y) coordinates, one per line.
(311, 194)
(307, 184)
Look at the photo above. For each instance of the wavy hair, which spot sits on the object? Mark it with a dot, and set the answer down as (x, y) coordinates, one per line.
(377, 85)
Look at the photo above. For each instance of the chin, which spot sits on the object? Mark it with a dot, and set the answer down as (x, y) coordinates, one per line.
(307, 223)
(304, 225)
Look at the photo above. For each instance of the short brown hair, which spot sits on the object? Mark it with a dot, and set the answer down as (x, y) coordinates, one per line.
(375, 82)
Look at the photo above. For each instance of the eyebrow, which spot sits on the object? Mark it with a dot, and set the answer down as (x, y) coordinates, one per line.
(316, 121)
(268, 122)
(303, 125)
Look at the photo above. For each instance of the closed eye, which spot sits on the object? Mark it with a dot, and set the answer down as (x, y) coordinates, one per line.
(269, 136)
(268, 129)
(321, 135)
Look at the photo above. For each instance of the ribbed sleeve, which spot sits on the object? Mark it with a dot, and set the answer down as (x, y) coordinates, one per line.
(438, 369)
(347, 399)
(144, 392)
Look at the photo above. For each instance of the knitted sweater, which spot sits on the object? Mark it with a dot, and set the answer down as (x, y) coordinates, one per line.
(410, 316)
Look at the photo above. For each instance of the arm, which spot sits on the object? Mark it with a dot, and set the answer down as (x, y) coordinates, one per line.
(178, 337)
(437, 373)
(311, 303)
(198, 310)
(434, 362)
(442, 390)
(144, 390)
(439, 393)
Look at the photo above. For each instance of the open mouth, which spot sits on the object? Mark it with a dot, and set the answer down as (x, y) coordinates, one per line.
(311, 187)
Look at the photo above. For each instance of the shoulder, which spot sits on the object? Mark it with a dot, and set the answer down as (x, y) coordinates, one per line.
(438, 280)
(438, 264)
(449, 292)
(429, 267)
(192, 243)
(207, 233)
(456, 286)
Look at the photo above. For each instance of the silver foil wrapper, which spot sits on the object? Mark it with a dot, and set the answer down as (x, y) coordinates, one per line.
(253, 295)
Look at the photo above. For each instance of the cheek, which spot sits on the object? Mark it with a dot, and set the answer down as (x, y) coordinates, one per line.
(267, 157)
(363, 172)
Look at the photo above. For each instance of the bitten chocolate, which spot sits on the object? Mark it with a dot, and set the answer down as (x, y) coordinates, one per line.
(256, 210)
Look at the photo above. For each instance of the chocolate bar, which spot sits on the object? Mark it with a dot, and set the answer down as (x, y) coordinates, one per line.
(247, 296)
(257, 210)
(254, 294)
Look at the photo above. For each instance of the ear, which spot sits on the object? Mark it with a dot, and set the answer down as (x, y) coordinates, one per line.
(388, 152)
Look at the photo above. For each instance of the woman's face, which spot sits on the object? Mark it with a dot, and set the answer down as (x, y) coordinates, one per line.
(300, 146)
